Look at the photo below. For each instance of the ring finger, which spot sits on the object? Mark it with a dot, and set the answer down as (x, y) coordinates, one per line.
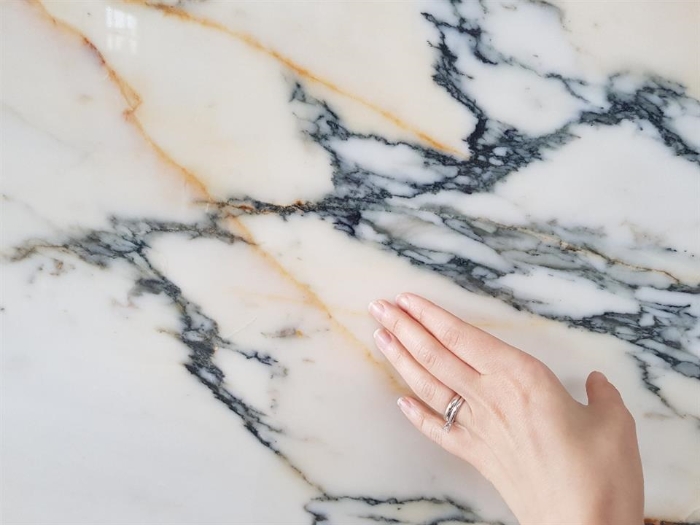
(429, 389)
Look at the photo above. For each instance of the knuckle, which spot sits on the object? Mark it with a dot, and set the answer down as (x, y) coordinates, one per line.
(452, 337)
(394, 324)
(522, 396)
(426, 356)
(498, 413)
(533, 371)
(419, 312)
(531, 366)
(426, 389)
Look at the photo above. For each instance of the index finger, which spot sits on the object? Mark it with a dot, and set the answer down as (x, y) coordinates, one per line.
(481, 350)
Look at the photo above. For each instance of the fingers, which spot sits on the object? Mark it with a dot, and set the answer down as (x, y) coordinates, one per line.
(456, 441)
(427, 352)
(600, 390)
(431, 391)
(484, 352)
(605, 399)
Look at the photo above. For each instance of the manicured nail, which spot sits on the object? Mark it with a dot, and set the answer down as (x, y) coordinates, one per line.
(402, 301)
(405, 405)
(376, 308)
(382, 338)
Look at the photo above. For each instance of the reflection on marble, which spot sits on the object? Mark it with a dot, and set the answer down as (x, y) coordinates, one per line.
(199, 198)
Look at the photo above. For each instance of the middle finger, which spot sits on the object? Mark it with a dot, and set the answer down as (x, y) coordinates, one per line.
(435, 394)
(425, 349)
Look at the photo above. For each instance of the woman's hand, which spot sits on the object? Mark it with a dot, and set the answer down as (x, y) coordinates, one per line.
(554, 460)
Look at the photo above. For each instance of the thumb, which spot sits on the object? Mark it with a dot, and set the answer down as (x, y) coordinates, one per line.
(600, 390)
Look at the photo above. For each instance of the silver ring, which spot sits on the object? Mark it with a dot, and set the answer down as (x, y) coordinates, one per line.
(451, 411)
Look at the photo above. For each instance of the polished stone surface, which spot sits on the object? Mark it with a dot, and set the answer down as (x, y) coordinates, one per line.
(200, 197)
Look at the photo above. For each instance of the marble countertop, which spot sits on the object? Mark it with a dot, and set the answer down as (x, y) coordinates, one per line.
(200, 197)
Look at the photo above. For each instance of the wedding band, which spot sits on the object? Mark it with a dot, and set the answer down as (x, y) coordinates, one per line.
(451, 411)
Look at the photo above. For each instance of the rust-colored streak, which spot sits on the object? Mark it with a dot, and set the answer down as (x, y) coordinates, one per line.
(190, 178)
(300, 70)
(311, 297)
(133, 100)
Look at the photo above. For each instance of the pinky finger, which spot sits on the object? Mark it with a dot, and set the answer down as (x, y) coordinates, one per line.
(455, 441)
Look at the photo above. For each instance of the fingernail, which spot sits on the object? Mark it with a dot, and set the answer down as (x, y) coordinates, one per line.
(402, 301)
(382, 338)
(405, 405)
(376, 308)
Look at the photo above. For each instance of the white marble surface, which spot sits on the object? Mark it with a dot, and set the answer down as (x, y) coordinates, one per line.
(200, 197)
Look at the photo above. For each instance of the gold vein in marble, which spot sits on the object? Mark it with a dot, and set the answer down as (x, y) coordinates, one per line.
(133, 100)
(300, 70)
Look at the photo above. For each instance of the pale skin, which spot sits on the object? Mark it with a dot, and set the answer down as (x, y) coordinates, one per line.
(554, 460)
